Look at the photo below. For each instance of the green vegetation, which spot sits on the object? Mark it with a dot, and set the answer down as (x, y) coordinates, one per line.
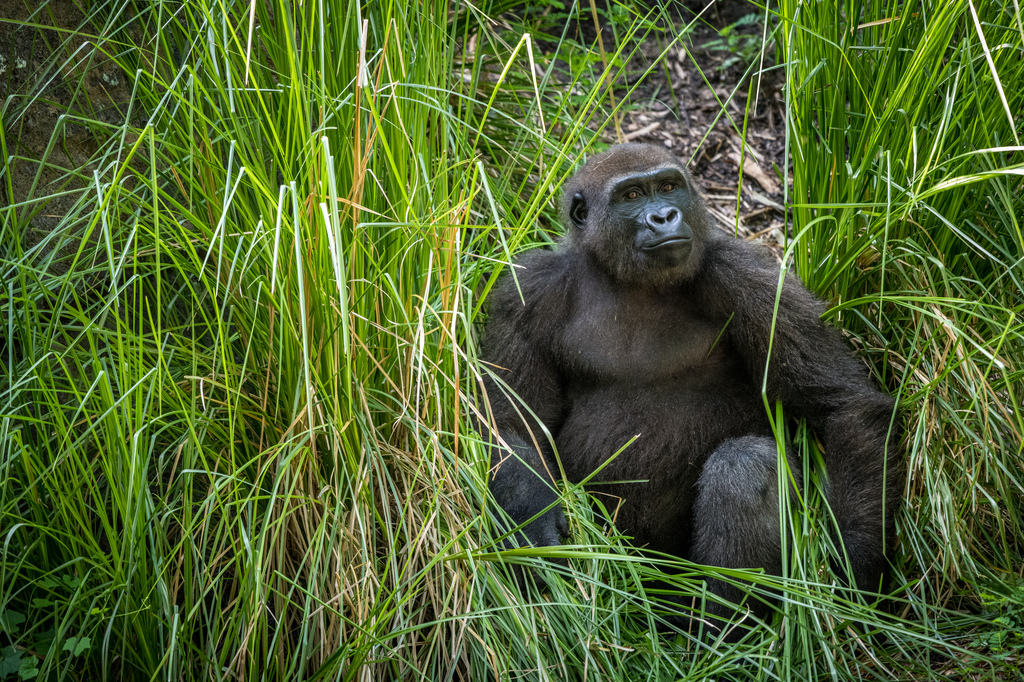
(742, 47)
(234, 381)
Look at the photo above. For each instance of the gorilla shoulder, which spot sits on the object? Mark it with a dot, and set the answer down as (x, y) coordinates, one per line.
(536, 285)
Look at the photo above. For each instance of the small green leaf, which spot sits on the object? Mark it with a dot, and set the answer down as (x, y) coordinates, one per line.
(9, 660)
(10, 620)
(28, 668)
(48, 583)
(77, 645)
(41, 603)
(44, 639)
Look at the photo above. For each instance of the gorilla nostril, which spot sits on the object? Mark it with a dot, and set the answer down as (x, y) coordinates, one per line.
(672, 216)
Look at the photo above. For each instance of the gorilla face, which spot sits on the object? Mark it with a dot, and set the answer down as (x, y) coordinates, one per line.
(643, 222)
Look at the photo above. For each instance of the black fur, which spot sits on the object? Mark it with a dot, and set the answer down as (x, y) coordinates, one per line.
(607, 341)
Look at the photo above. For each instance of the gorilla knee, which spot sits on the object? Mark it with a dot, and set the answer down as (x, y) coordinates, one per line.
(736, 517)
(741, 475)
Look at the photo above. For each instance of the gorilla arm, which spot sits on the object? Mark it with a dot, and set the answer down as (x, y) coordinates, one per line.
(525, 397)
(813, 372)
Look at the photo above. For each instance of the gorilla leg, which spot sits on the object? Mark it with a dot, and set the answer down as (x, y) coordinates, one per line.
(736, 515)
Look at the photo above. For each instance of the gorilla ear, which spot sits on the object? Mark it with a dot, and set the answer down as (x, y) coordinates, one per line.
(578, 210)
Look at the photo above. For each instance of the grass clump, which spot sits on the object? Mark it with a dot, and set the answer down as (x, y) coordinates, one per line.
(904, 130)
(236, 373)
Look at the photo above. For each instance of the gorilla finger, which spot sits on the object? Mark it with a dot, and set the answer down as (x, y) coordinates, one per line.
(561, 523)
(542, 535)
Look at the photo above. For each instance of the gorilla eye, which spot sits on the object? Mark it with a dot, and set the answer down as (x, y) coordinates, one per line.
(633, 195)
(668, 187)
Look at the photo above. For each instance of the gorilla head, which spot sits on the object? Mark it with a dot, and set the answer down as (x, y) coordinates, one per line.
(636, 210)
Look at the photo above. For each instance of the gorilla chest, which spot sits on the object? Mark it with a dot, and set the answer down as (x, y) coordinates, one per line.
(632, 339)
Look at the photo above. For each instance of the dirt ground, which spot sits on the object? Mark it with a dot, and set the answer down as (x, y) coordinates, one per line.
(45, 106)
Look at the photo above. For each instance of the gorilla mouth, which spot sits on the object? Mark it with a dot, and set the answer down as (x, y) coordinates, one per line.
(668, 243)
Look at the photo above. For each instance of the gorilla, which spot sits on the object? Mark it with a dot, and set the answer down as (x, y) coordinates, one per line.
(647, 320)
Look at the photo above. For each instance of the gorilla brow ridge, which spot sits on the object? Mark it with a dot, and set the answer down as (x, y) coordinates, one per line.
(615, 179)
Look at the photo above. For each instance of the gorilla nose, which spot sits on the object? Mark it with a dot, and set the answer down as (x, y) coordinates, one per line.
(669, 230)
(663, 220)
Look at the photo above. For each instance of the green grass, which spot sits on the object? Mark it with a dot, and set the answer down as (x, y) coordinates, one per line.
(235, 380)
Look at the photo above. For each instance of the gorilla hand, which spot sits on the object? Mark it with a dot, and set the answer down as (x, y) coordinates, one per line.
(522, 487)
(549, 529)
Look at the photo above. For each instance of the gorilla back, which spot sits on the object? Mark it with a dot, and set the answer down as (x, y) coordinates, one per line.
(647, 322)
